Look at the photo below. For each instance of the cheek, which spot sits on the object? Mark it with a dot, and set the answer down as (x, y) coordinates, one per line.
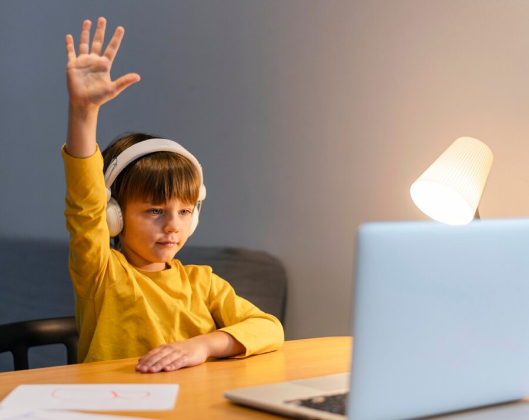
(187, 224)
(134, 226)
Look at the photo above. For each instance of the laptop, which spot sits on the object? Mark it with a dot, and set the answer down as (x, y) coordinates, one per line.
(440, 325)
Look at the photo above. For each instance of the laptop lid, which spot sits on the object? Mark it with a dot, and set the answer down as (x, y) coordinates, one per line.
(440, 318)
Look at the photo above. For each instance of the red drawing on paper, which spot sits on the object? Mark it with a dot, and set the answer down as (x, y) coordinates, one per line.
(85, 394)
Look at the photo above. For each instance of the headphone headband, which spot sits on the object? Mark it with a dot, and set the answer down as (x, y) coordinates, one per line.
(144, 148)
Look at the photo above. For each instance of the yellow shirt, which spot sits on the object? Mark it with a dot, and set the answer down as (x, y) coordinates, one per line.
(123, 311)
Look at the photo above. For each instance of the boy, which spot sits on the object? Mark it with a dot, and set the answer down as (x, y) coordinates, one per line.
(140, 301)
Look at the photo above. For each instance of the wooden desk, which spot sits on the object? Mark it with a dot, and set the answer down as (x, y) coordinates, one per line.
(202, 387)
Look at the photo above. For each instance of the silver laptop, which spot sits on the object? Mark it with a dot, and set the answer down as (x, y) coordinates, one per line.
(440, 324)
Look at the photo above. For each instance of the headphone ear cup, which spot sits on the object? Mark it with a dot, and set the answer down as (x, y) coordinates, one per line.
(194, 220)
(202, 193)
(114, 218)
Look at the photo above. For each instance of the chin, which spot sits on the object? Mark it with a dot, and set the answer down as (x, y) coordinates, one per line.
(166, 257)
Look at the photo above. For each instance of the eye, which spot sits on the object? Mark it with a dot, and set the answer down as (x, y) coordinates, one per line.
(185, 212)
(155, 211)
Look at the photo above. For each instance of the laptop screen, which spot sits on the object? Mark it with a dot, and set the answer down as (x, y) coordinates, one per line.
(439, 317)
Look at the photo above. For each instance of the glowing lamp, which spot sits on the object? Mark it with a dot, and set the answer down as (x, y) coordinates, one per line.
(449, 191)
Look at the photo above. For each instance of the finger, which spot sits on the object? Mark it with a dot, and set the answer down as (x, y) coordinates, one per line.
(177, 364)
(115, 42)
(147, 364)
(99, 36)
(147, 356)
(85, 37)
(124, 82)
(70, 48)
(174, 358)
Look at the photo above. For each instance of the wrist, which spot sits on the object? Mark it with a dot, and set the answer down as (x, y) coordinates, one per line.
(82, 112)
(219, 344)
(82, 126)
(206, 342)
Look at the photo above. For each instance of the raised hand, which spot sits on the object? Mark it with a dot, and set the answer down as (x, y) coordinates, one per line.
(90, 85)
(88, 73)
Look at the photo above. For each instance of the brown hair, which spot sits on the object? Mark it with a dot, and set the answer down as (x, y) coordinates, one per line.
(156, 178)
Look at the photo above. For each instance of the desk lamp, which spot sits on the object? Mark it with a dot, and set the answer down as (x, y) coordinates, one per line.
(450, 189)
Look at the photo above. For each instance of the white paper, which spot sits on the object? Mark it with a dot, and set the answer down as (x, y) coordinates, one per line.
(29, 414)
(94, 397)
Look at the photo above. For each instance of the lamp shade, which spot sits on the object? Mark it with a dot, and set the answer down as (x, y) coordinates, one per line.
(450, 189)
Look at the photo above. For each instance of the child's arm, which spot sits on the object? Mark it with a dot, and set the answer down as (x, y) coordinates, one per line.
(90, 85)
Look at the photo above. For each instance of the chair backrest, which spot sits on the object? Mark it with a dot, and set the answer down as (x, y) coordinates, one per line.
(35, 284)
(35, 279)
(18, 337)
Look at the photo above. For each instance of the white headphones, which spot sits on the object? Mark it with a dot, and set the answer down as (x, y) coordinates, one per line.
(114, 215)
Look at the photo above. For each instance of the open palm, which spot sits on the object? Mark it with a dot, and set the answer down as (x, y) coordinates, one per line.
(88, 74)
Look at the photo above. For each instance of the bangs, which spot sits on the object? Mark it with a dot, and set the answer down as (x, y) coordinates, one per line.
(157, 178)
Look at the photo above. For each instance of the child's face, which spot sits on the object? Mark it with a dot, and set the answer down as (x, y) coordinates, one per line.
(153, 234)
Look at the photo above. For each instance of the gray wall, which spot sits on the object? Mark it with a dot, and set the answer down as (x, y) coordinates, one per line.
(309, 117)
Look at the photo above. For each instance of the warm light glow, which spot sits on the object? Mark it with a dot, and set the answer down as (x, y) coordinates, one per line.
(441, 203)
(450, 189)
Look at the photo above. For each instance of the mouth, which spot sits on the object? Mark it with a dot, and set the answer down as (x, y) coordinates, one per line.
(167, 244)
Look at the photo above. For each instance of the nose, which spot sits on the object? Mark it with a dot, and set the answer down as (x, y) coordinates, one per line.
(171, 222)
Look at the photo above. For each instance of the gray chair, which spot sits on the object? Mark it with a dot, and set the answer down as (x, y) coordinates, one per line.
(35, 283)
